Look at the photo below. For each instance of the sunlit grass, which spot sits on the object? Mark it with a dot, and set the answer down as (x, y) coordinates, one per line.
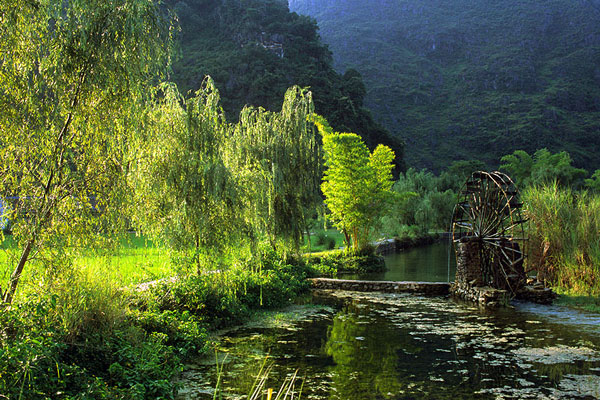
(134, 260)
(564, 238)
(320, 240)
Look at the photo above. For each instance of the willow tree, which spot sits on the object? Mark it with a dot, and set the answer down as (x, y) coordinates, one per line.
(72, 77)
(277, 161)
(356, 184)
(184, 194)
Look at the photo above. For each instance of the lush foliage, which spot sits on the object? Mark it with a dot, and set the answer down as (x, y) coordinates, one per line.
(184, 195)
(428, 201)
(201, 183)
(88, 339)
(81, 342)
(331, 263)
(256, 49)
(71, 86)
(564, 237)
(543, 168)
(356, 184)
(460, 79)
(226, 298)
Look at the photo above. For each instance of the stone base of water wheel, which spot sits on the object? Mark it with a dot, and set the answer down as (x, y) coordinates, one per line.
(468, 262)
(469, 284)
(536, 293)
(483, 295)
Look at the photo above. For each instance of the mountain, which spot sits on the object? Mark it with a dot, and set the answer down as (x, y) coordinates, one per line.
(255, 49)
(473, 79)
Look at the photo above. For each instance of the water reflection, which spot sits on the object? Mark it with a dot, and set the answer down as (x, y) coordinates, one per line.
(387, 346)
(425, 264)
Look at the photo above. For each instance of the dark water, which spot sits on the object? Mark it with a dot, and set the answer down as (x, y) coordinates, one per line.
(424, 264)
(354, 345)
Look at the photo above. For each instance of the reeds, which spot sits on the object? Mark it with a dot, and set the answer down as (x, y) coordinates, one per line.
(564, 238)
(260, 389)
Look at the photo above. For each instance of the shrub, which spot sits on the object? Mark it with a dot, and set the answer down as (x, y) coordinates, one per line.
(228, 297)
(333, 262)
(81, 342)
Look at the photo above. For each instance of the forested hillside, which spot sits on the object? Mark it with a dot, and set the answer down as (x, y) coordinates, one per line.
(256, 49)
(473, 79)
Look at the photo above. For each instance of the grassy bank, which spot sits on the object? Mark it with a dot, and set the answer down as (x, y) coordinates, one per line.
(323, 240)
(586, 303)
(86, 337)
(333, 262)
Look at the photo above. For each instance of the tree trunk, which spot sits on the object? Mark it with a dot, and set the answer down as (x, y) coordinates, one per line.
(197, 254)
(347, 239)
(16, 275)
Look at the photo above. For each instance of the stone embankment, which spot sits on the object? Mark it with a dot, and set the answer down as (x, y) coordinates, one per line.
(483, 295)
(426, 288)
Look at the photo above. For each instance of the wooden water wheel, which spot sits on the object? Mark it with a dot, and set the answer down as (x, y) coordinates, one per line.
(488, 214)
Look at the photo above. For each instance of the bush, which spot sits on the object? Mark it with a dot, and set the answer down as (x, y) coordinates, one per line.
(335, 262)
(82, 342)
(229, 297)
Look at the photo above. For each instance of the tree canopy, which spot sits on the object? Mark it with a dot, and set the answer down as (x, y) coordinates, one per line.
(200, 183)
(72, 77)
(543, 167)
(356, 184)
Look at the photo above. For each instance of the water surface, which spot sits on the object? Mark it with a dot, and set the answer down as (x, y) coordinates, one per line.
(352, 345)
(431, 263)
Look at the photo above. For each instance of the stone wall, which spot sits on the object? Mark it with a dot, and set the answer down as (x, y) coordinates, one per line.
(468, 263)
(426, 288)
(484, 295)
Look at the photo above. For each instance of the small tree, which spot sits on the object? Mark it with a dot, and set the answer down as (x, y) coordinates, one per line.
(356, 184)
(72, 77)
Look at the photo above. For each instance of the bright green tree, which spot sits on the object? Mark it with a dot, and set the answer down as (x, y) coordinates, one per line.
(72, 77)
(356, 184)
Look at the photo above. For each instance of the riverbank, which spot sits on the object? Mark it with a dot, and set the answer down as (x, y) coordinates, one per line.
(90, 339)
(579, 302)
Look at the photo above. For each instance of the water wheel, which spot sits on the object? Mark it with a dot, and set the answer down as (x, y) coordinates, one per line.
(488, 214)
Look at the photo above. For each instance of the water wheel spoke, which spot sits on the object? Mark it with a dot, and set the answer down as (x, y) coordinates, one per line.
(489, 209)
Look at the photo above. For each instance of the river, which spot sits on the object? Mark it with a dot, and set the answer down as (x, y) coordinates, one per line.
(358, 346)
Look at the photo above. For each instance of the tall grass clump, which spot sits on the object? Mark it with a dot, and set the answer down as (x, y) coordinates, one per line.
(564, 238)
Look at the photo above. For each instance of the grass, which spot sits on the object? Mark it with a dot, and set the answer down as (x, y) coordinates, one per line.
(320, 240)
(134, 260)
(586, 303)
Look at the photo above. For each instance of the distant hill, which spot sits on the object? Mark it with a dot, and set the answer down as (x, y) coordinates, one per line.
(473, 79)
(256, 49)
